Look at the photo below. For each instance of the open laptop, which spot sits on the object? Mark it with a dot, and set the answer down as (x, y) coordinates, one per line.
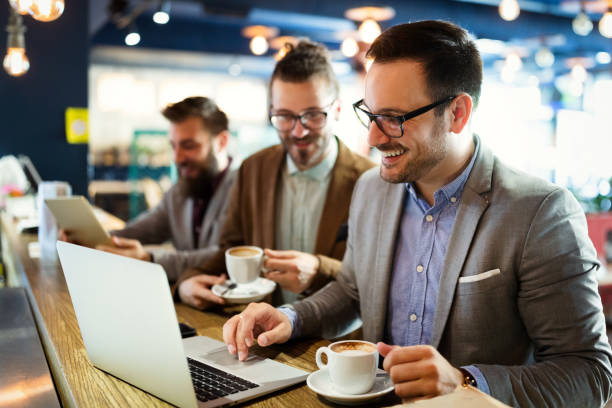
(125, 311)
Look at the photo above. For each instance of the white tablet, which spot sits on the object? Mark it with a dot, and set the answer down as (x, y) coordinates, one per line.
(74, 214)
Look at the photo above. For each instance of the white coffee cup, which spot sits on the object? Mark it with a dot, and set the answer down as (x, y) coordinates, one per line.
(244, 263)
(351, 365)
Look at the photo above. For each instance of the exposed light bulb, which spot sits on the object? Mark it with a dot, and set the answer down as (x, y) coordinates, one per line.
(509, 9)
(258, 45)
(46, 10)
(582, 24)
(579, 73)
(603, 57)
(605, 24)
(21, 6)
(544, 58)
(349, 47)
(15, 62)
(369, 30)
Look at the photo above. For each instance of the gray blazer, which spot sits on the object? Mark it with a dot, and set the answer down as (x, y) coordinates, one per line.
(172, 220)
(536, 329)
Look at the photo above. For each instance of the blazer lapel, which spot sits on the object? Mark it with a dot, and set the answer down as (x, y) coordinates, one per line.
(474, 202)
(339, 190)
(187, 216)
(269, 185)
(212, 212)
(388, 223)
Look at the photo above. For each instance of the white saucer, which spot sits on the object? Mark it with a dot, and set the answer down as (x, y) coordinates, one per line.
(320, 383)
(245, 293)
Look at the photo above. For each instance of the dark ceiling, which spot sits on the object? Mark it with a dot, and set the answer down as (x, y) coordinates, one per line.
(215, 26)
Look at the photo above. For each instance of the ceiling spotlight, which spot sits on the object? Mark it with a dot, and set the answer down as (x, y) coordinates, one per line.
(349, 47)
(544, 58)
(259, 45)
(235, 69)
(603, 57)
(162, 15)
(133, 37)
(605, 24)
(509, 9)
(582, 24)
(369, 29)
(259, 35)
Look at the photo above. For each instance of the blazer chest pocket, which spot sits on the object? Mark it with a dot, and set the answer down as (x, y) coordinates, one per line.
(481, 282)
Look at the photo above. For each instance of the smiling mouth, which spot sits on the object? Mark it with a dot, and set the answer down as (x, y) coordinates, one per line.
(392, 153)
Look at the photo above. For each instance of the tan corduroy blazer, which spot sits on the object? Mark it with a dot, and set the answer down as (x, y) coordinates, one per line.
(251, 217)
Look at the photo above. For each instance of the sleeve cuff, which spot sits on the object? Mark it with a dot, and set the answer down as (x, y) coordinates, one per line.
(481, 382)
(293, 319)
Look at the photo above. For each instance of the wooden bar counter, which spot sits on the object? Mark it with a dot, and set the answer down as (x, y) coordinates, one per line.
(79, 384)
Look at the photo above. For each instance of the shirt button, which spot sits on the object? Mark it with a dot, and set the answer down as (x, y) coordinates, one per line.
(429, 218)
(453, 199)
(420, 268)
(413, 317)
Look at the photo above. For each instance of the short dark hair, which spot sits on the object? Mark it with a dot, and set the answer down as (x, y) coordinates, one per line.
(213, 118)
(303, 62)
(449, 56)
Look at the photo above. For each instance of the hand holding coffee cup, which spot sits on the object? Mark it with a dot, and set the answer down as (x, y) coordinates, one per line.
(244, 263)
(351, 365)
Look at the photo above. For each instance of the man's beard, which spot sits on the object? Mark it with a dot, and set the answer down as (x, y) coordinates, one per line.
(304, 158)
(202, 184)
(435, 151)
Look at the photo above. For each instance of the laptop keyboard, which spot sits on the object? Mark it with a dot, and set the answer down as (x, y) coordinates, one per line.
(211, 383)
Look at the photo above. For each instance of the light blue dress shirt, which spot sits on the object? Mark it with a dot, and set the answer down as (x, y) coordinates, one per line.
(420, 250)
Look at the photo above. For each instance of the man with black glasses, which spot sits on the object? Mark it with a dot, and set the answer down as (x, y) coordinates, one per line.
(464, 270)
(292, 198)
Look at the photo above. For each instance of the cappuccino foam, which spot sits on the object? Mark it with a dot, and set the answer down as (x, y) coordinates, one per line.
(354, 352)
(354, 348)
(244, 252)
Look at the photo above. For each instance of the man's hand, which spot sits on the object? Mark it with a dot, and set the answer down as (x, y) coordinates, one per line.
(292, 270)
(419, 372)
(258, 320)
(196, 292)
(131, 248)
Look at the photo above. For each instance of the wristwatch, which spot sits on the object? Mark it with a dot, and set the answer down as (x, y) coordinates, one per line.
(468, 379)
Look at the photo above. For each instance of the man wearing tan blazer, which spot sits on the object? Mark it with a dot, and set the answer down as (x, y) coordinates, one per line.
(464, 270)
(293, 197)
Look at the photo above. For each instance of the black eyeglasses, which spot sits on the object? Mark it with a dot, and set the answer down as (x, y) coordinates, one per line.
(392, 125)
(312, 119)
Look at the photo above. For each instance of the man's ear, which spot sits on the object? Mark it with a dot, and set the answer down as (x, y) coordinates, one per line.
(461, 111)
(220, 141)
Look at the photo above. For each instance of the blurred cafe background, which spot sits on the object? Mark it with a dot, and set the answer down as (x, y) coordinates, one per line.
(83, 82)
